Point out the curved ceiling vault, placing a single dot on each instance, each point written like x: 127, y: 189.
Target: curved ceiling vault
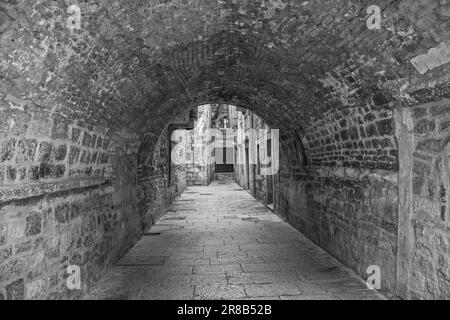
x: 135, y: 64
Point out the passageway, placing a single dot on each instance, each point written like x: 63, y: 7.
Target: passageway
x: 218, y: 242
x: 357, y: 91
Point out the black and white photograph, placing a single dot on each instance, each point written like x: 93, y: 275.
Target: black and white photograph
x: 219, y: 157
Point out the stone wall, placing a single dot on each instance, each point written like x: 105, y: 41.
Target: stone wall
x: 339, y: 187
x: 343, y: 189
x: 42, y: 236
x: 41, y: 152
x: 346, y: 199
x: 67, y: 191
x: 430, y: 276
x: 245, y: 122
x: 350, y: 213
x: 160, y: 180
x: 361, y: 137
x: 313, y: 69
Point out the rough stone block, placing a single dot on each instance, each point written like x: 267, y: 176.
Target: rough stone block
x: 99, y: 142
x: 3, y: 233
x: 22, y: 247
x: 40, y: 125
x: 2, y: 174
x: 12, y: 269
x: 60, y: 152
x: 93, y: 141
x: 45, y: 151
x: 371, y: 131
x: 353, y: 131
x: 421, y: 169
x: 25, y: 150
x: 36, y: 289
x: 86, y: 140
x: 33, y: 223
x: 381, y: 99
x: 386, y: 127
x: 15, y: 290
x: 106, y: 144
x: 75, y: 134
x: 419, y: 112
x: 7, y: 149
x: 5, y: 254
x: 44, y: 170
x: 60, y: 129
x: 424, y: 127
x: 62, y: 213
x: 11, y: 173
x: 440, y: 111
x: 444, y: 126
x: 429, y: 145
x: 74, y: 154
x: 22, y: 173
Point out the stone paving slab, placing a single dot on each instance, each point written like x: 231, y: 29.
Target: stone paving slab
x: 217, y: 269
x: 142, y: 261
x: 217, y: 242
x: 219, y: 292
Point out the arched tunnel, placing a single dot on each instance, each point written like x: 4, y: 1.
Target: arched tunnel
x: 359, y: 91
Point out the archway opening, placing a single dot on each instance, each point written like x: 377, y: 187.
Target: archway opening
x: 214, y: 142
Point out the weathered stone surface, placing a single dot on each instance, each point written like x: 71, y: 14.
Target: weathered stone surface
x: 7, y: 149
x: 440, y: 111
x: 73, y: 155
x: 431, y: 237
x: 60, y: 129
x: 12, y: 269
x: 34, y: 224
x: 424, y: 126
x: 5, y: 254
x: 45, y: 150
x: 60, y: 152
x: 84, y: 113
x: 62, y: 213
x: 273, y: 257
x: 36, y: 289
x: 25, y: 150
x: 419, y: 112
x: 418, y: 183
x: 430, y: 145
x: 3, y: 233
x: 15, y: 290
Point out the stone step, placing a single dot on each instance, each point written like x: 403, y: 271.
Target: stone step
x: 224, y: 176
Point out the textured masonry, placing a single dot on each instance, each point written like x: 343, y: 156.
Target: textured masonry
x: 85, y: 136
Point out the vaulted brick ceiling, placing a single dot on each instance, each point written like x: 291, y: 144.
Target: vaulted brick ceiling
x: 135, y: 64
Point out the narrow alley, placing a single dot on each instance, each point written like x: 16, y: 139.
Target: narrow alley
x: 224, y: 149
x: 218, y: 242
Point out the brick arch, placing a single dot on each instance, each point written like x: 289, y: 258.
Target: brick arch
x: 149, y: 138
x: 76, y: 104
x: 312, y: 56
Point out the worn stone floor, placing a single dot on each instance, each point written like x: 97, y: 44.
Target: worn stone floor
x: 218, y: 242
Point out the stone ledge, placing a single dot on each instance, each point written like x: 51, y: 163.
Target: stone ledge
x: 348, y: 173
x: 10, y: 193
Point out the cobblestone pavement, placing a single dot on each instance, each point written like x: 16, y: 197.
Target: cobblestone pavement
x: 218, y: 242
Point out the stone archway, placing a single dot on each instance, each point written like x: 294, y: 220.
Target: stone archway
x: 81, y: 106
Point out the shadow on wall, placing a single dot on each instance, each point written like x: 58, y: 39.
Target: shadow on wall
x: 160, y: 181
x: 87, y: 216
x: 340, y: 188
